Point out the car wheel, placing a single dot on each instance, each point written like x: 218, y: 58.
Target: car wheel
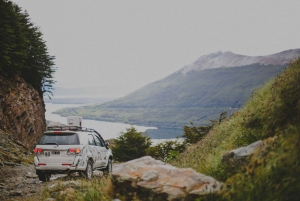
x: 88, y: 173
x: 44, y: 177
x: 108, y: 170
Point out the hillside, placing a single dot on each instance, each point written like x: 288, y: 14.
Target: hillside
x: 198, y: 92
x: 272, y: 114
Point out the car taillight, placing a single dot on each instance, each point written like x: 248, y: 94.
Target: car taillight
x: 74, y: 150
x: 38, y: 150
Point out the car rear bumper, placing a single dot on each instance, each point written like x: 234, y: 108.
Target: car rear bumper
x: 58, y: 167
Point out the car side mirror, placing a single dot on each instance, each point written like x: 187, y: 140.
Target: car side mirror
x: 106, y: 144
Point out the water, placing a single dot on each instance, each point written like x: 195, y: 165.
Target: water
x: 108, y: 130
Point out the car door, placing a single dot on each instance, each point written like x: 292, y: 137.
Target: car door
x: 103, y: 150
x: 95, y: 151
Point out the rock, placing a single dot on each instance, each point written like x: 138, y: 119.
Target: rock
x: 9, y: 163
x: 152, y: 179
x: 237, y: 157
x: 31, y: 175
x: 22, y: 111
x: 65, y: 184
x: 67, y: 192
x: 15, y: 193
x: 50, y: 199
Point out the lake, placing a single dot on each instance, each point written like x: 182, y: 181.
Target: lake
x: 110, y: 130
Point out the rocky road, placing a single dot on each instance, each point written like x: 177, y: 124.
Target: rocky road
x: 18, y: 181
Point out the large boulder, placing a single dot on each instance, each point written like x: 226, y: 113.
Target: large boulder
x: 150, y: 179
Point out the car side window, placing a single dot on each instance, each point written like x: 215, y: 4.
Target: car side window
x: 98, y: 141
x: 91, y: 140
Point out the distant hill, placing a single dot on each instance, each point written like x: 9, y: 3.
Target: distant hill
x: 200, y: 91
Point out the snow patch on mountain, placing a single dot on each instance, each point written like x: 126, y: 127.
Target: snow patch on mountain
x: 229, y: 59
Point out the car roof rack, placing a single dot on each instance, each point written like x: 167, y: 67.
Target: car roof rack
x: 68, y: 128
x: 73, y: 128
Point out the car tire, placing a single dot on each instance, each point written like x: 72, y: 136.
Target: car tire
x: 88, y: 173
x: 44, y: 177
x: 108, y: 170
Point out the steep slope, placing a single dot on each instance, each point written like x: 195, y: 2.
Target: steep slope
x: 22, y: 111
x: 198, y: 92
x: 272, y: 114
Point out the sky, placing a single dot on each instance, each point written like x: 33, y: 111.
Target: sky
x: 113, y: 48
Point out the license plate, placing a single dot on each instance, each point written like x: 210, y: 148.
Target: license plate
x: 55, y: 152
x: 47, y: 153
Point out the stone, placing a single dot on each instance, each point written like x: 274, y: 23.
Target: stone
x: 65, y: 184
x: 15, y: 193
x: 31, y: 175
x: 239, y: 157
x: 50, y: 199
x: 9, y: 163
x: 151, y: 179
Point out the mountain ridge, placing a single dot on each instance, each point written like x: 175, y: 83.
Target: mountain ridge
x: 228, y: 59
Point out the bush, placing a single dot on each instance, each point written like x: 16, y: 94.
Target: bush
x: 167, y: 151
x: 130, y: 145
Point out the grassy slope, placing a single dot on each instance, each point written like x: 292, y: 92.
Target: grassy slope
x: 178, y: 99
x: 273, y: 115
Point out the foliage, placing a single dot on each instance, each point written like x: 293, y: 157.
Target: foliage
x: 272, y: 114
x: 275, y: 176
x: 87, y: 190
x: 166, y: 151
x: 194, y: 134
x: 130, y: 145
x: 22, y: 50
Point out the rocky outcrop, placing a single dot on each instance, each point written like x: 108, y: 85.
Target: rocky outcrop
x: 22, y: 111
x: 150, y: 179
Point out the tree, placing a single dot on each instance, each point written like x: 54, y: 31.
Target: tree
x: 23, y: 52
x: 194, y: 134
x: 166, y: 151
x: 130, y: 145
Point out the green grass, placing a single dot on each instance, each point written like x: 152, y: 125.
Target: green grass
x: 87, y: 190
x: 272, y: 114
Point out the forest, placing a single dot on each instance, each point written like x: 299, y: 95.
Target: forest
x: 23, y: 52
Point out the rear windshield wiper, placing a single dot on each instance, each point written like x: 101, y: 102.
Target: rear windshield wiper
x: 52, y: 143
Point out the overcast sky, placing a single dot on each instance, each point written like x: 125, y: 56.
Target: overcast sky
x: 120, y: 46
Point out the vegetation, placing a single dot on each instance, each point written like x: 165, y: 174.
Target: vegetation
x: 23, y: 52
x: 272, y: 114
x: 178, y: 99
x: 130, y: 145
x: 194, y: 134
x: 78, y: 188
x: 167, y: 151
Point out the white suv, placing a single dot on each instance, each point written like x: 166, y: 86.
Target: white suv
x: 71, y: 149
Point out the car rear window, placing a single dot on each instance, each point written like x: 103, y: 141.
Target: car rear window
x: 60, y: 139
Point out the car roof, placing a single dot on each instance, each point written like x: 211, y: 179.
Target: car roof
x: 72, y: 129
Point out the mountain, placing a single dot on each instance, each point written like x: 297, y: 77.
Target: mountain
x: 198, y: 92
x: 229, y: 59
